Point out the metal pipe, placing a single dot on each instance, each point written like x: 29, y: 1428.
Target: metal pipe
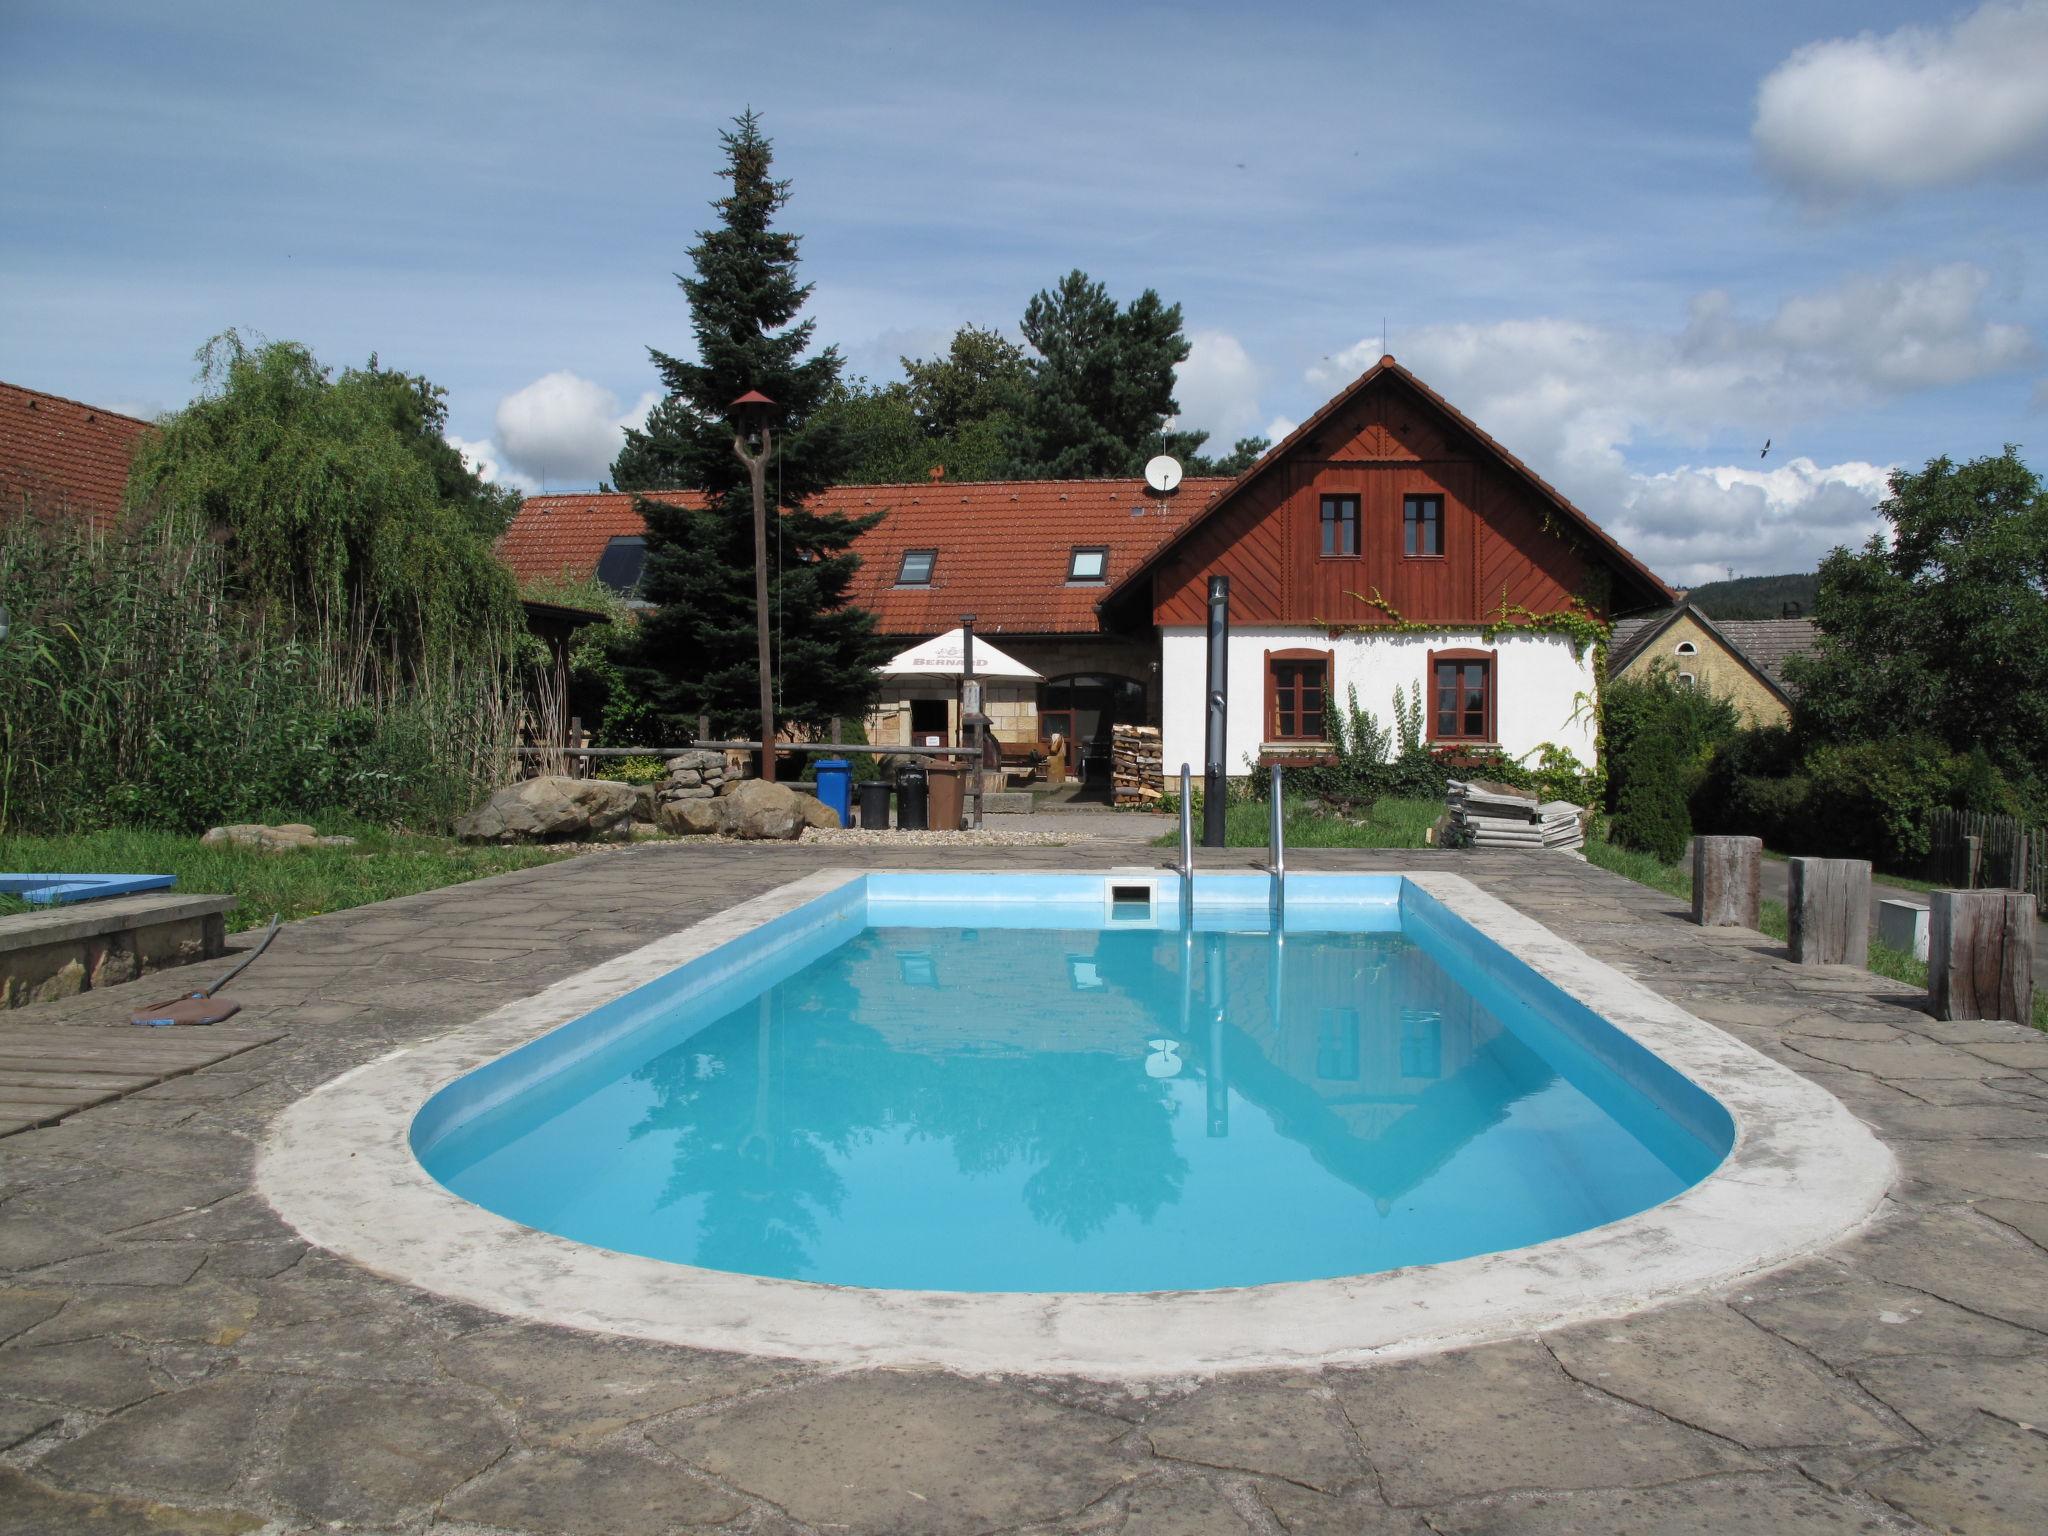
x: 1187, y: 845
x: 1214, y: 747
x: 1276, y: 835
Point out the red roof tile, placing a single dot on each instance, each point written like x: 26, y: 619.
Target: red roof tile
x: 1003, y: 547
x: 59, y: 455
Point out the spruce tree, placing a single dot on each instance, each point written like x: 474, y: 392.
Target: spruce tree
x: 695, y: 652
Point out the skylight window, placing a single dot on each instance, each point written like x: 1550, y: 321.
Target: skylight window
x: 916, y: 570
x: 623, y: 563
x: 1088, y: 564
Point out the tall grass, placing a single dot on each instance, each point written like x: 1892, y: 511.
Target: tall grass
x: 136, y: 687
x: 1391, y: 823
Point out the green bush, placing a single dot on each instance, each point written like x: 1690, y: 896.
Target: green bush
x: 1650, y: 816
x: 1643, y: 717
x: 1875, y: 800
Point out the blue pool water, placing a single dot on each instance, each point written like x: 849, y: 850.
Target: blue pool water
x: 974, y: 1084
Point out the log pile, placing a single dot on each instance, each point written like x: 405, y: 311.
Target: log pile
x: 1135, y: 765
x: 1500, y: 816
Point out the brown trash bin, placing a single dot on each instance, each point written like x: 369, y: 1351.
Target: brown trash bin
x: 948, y: 795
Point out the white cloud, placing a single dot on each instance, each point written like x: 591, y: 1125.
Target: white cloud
x: 1217, y: 388
x: 1915, y: 108
x: 481, y: 458
x: 1578, y: 402
x: 564, y: 430
x: 1279, y: 427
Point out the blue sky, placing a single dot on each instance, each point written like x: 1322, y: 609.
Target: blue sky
x: 1633, y: 242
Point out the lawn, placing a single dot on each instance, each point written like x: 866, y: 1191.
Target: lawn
x: 1390, y: 824
x: 298, y: 884
x: 1676, y: 879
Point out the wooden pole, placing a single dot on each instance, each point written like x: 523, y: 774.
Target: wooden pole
x: 1980, y: 955
x: 1727, y: 881
x: 757, y: 476
x: 1829, y: 906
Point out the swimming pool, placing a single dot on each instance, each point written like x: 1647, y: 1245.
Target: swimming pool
x: 957, y: 1083
x: 339, y: 1165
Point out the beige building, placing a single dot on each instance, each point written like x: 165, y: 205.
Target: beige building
x: 1741, y: 660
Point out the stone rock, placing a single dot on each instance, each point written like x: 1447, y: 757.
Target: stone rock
x: 694, y: 818
x: 253, y: 834
x: 685, y: 778
x: 762, y: 811
x: 818, y: 814
x: 643, y: 802
x: 549, y: 809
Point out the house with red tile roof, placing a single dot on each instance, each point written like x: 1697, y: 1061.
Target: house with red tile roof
x: 61, y: 457
x: 1387, y: 544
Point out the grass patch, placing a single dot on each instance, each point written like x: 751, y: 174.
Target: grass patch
x: 298, y: 884
x: 1390, y: 824
x: 1772, y: 919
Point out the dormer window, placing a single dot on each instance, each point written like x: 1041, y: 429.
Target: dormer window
x: 916, y: 570
x: 1687, y: 648
x: 622, y: 564
x: 1088, y: 563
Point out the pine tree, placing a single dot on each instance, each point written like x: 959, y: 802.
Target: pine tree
x: 1101, y: 383
x: 695, y: 652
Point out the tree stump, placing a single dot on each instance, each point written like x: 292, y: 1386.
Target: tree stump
x: 1829, y: 905
x: 1726, y: 881
x: 1980, y: 955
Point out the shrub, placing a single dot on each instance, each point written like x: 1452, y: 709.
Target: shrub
x: 1650, y: 816
x: 1875, y: 800
x: 1641, y: 717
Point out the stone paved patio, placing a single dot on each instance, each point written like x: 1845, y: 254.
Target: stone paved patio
x: 172, y: 1358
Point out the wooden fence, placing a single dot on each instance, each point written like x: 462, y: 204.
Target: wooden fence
x: 1971, y: 849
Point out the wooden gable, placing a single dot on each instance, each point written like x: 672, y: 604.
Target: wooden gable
x: 1506, y: 537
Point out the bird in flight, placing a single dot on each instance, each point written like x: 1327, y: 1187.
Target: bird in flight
x: 1767, y: 449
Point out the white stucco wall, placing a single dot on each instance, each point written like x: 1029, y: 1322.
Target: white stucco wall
x: 1544, y: 692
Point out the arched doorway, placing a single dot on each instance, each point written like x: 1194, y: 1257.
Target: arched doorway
x: 1085, y: 707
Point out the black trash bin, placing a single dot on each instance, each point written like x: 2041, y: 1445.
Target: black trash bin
x: 874, y: 804
x: 912, y: 792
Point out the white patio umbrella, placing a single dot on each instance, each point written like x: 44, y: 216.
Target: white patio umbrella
x: 941, y: 657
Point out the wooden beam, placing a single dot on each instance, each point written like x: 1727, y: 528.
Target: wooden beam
x: 1727, y: 881
x: 1829, y: 907
x: 1980, y: 955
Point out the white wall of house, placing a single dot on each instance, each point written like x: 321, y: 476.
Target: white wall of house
x: 1543, y: 692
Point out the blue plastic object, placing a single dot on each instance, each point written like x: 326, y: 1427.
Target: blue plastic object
x: 51, y: 890
x: 835, y: 787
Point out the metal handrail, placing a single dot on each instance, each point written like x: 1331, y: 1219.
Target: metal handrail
x: 1186, y: 867
x: 1276, y: 834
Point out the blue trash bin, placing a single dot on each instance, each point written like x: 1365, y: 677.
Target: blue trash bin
x: 835, y: 787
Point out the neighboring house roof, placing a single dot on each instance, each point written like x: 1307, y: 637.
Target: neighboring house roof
x: 63, y: 456
x: 1003, y: 548
x: 1628, y: 566
x: 1762, y: 645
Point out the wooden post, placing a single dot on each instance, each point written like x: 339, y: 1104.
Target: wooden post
x: 1829, y: 905
x: 1973, y: 861
x: 1727, y: 875
x: 835, y: 731
x: 703, y: 728
x: 1980, y: 955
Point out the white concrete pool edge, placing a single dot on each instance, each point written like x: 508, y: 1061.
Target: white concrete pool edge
x: 338, y: 1166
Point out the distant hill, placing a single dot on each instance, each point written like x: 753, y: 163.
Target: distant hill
x: 1757, y: 597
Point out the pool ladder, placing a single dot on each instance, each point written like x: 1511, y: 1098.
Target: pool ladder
x: 1276, y: 842
x: 1186, y: 867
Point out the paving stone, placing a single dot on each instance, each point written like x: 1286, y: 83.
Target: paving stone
x: 193, y: 1314
x: 31, y: 1238
x: 902, y: 1453
x: 91, y: 1373
x: 2013, y: 1053
x: 1910, y: 1058
x: 253, y: 1261
x: 193, y: 1442
x: 130, y: 1264
x: 19, y: 1420
x: 1825, y: 1025
x: 22, y: 1308
x: 1864, y: 1320
x: 370, y: 1452
x: 1179, y: 1507
x: 1960, y: 1257
x: 386, y: 1345
x: 1759, y: 1391
x: 1505, y: 1416
x: 591, y: 1493
x: 568, y: 1386
x: 1752, y: 1506
x: 1301, y: 1512
x: 1955, y: 1170
x: 1994, y: 1092
x: 31, y: 1508
x: 126, y: 1199
x: 1963, y: 1122
x: 1281, y: 1431
x: 1939, y: 1396
x: 2029, y: 1218
x: 1993, y: 1482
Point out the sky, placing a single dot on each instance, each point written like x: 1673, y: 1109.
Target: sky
x: 1634, y: 243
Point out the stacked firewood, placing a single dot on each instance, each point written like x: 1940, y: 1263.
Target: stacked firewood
x: 1501, y: 816
x: 1135, y: 765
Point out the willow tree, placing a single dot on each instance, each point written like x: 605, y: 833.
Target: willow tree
x: 696, y: 650
x: 340, y: 514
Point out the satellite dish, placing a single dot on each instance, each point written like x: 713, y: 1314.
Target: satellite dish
x: 1163, y: 473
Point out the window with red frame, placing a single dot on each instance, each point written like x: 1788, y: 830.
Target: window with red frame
x: 1462, y: 704
x: 1296, y: 688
